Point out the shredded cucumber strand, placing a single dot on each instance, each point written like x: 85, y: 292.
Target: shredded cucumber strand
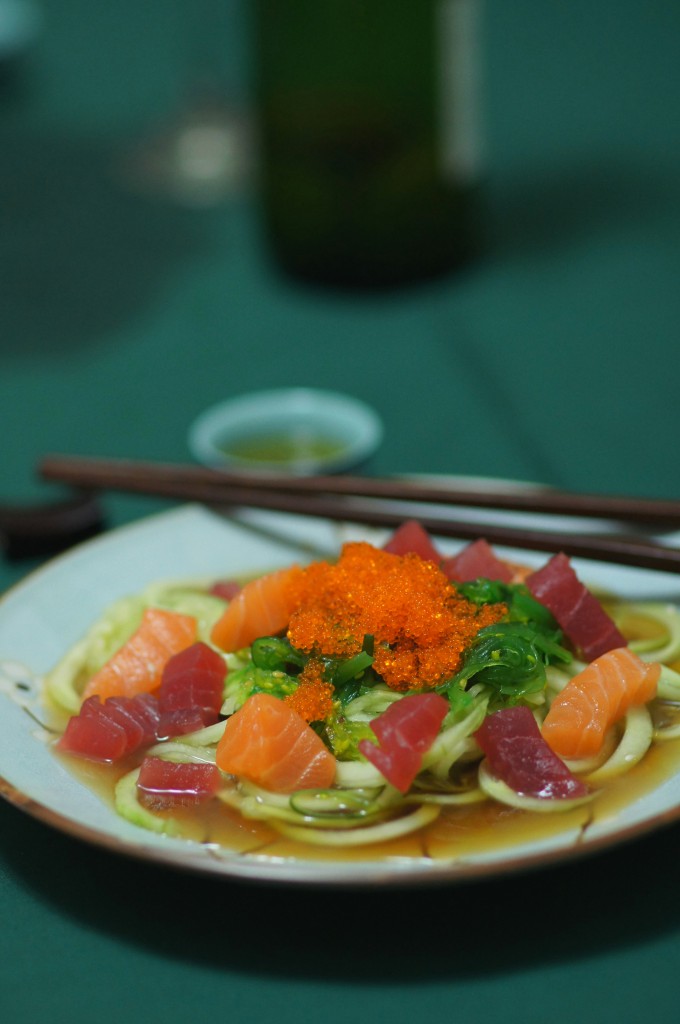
x: 636, y: 740
x: 261, y: 805
x: 173, y: 750
x: 371, y: 704
x: 586, y: 765
x: 207, y: 737
x: 668, y: 687
x: 665, y: 647
x: 469, y: 796
x: 365, y: 834
x: 666, y: 718
x: 454, y: 742
x: 355, y: 774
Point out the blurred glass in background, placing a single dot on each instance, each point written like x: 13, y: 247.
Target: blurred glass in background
x: 20, y: 22
x: 201, y: 153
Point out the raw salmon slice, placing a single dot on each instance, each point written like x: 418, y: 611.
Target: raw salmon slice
x: 595, y: 699
x: 270, y: 744
x: 138, y: 665
x: 261, y: 608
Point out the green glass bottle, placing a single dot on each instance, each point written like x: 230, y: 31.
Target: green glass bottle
x: 369, y: 137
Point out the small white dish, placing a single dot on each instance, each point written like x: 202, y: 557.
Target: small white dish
x: 299, y: 431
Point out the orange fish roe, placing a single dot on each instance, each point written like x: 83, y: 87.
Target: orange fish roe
x: 419, y: 623
x: 313, y: 698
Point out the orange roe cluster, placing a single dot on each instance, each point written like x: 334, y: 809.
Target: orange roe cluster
x: 420, y: 624
x: 313, y: 698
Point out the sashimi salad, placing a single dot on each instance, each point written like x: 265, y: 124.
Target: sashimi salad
x: 348, y: 702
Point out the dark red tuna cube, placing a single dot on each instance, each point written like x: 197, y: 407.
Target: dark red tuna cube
x: 193, y: 678
x: 165, y: 784
x: 519, y: 756
x: 412, y: 538
x: 94, y: 735
x: 180, y: 721
x: 578, y: 612
x: 476, y: 561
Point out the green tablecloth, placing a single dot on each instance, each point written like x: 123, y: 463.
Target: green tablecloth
x: 553, y: 359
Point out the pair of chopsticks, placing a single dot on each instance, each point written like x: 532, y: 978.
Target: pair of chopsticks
x: 388, y: 502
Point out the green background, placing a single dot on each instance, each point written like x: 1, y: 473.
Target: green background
x: 554, y: 358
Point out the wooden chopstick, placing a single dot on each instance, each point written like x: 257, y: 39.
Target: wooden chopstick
x: 377, y: 503
x: 171, y: 479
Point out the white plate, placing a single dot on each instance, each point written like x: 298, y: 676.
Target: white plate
x: 42, y: 616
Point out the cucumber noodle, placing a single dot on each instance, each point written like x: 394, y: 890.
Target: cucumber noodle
x: 361, y: 807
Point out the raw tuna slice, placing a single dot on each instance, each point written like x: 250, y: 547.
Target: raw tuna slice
x: 405, y: 731
x: 163, y: 784
x: 192, y: 681
x: 412, y: 538
x: 120, y: 713
x: 519, y: 756
x: 226, y: 589
x: 144, y: 707
x: 476, y: 561
x: 180, y: 721
x: 578, y: 612
x: 109, y: 730
x: 141, y: 712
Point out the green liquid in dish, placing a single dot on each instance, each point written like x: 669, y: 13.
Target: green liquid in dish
x: 283, y: 448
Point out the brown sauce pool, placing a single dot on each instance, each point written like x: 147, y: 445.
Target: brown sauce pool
x: 463, y: 832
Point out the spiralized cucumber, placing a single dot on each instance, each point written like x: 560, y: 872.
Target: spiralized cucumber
x: 370, y: 705
x: 335, y: 803
x: 207, y: 737
x: 636, y: 740
x: 586, y: 765
x: 665, y: 647
x: 314, y: 809
x: 349, y: 774
x: 666, y: 719
x: 475, y: 795
x: 364, y: 835
x: 668, y: 687
x: 183, y: 753
x: 454, y: 743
